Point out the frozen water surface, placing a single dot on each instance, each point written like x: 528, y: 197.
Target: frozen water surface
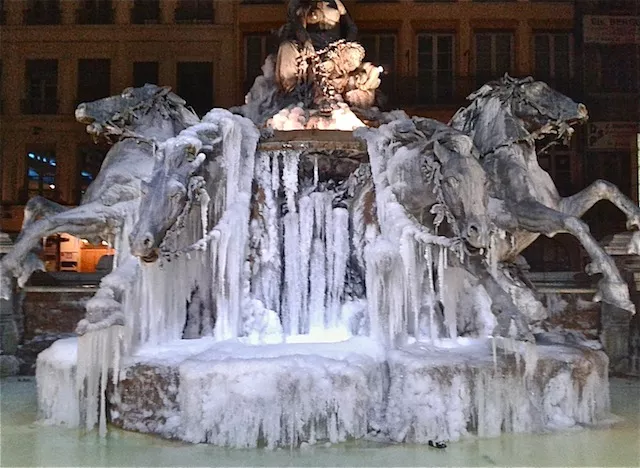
x: 24, y: 442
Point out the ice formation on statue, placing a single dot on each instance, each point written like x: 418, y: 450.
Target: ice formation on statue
x: 273, y: 290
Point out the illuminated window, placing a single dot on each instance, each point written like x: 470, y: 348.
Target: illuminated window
x: 90, y: 160
x: 41, y: 173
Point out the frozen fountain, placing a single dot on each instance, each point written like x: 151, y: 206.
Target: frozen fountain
x: 302, y: 271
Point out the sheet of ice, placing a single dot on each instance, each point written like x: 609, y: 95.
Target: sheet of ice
x: 56, y: 379
x: 441, y: 393
x: 278, y: 395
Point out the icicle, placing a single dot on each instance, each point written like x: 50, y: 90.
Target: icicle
x: 204, y: 211
x: 316, y: 176
x: 306, y: 238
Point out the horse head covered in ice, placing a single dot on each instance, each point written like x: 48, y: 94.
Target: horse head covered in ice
x: 506, y: 119
x: 137, y: 121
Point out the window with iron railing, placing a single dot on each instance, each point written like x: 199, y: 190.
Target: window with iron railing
x: 195, y: 85
x: 95, y: 12
x: 256, y: 49
x: 42, y: 12
x: 435, y: 68
x: 94, y: 79
x: 145, y: 12
x: 380, y: 49
x: 553, y: 60
x: 41, y: 79
x: 194, y: 11
x: 494, y: 55
x: 145, y: 72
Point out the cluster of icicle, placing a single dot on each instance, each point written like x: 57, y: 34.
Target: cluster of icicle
x: 154, y: 297
x: 405, y: 261
x: 312, y: 260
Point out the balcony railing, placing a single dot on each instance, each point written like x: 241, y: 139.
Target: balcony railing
x: 95, y: 16
x: 38, y: 106
x: 42, y: 16
x: 415, y: 91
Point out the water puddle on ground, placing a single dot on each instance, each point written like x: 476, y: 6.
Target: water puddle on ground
x: 24, y: 442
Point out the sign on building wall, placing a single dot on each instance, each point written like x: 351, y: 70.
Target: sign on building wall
x: 612, y: 135
x: 611, y: 29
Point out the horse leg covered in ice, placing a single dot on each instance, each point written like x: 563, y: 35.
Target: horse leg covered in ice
x: 535, y: 217
x: 90, y: 220
x: 578, y: 204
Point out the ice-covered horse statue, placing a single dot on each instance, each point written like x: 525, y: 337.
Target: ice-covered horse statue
x: 505, y: 119
x: 428, y: 181
x: 137, y: 120
x: 195, y: 211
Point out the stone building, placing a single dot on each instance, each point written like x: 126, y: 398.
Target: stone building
x: 57, y: 53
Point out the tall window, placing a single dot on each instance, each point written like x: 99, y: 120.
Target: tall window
x: 42, y: 12
x: 90, y: 160
x: 380, y: 50
x: 494, y: 55
x: 41, y: 87
x: 95, y: 12
x: 256, y: 49
x: 435, y: 68
x: 194, y: 11
x: 612, y: 69
x: 145, y: 12
x: 553, y: 59
x: 145, y: 72
x: 195, y: 85
x: 2, y: 13
x: 41, y: 173
x: 94, y: 79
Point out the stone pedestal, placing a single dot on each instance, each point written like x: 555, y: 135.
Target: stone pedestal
x: 9, y: 331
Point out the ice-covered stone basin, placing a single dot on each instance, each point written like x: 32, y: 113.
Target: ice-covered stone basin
x: 240, y: 395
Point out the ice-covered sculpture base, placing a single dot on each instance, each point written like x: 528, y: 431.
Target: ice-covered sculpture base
x: 239, y: 395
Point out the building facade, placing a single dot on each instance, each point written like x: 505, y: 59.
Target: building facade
x: 57, y: 53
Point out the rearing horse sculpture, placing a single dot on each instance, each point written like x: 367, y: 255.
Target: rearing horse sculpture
x: 137, y: 120
x: 505, y: 119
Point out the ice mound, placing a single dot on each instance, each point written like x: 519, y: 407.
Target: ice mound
x: 447, y: 393
x: 238, y: 395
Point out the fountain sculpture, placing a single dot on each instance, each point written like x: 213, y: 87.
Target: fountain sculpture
x: 286, y: 273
